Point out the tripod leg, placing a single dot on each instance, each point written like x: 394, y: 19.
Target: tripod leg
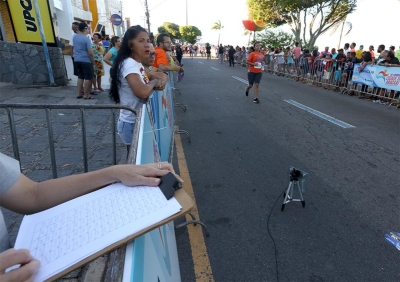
x: 286, y: 198
x: 301, y: 196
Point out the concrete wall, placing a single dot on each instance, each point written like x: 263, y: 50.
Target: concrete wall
x: 26, y: 64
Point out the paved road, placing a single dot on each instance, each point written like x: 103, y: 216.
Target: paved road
x: 239, y: 160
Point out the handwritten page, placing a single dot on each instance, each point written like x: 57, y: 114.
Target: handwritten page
x: 68, y: 233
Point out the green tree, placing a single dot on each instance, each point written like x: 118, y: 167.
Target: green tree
x: 307, y: 19
x: 275, y: 38
x: 189, y: 33
x: 218, y: 26
x: 172, y: 30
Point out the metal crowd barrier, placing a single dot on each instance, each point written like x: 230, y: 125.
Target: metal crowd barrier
x: 49, y: 122
x: 328, y: 74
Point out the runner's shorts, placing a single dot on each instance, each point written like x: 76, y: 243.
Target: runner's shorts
x: 254, y: 77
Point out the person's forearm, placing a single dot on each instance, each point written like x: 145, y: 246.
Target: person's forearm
x: 56, y: 191
x: 27, y: 196
x: 92, y: 59
x: 169, y: 68
x: 108, y: 62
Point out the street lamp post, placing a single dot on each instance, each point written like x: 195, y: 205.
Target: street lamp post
x: 147, y: 16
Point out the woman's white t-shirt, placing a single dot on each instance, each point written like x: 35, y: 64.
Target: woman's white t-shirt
x: 126, y: 95
x: 280, y: 58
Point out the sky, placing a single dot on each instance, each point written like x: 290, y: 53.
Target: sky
x: 367, y: 23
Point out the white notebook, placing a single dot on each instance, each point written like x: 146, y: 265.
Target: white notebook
x: 68, y: 233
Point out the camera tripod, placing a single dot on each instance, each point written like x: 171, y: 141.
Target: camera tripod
x: 288, y: 195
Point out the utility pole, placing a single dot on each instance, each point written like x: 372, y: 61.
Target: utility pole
x: 44, y: 44
x: 123, y: 24
x: 147, y: 16
x: 186, y: 13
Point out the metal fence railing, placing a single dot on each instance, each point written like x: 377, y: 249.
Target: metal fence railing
x: 48, y: 108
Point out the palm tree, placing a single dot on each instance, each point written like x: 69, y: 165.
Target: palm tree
x: 349, y: 27
x: 217, y: 26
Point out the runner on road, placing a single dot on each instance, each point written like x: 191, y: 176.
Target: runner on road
x: 254, y: 60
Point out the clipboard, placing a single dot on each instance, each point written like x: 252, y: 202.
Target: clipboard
x: 180, y: 195
x: 76, y: 232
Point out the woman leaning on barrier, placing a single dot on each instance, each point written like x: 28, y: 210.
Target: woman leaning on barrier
x: 130, y: 85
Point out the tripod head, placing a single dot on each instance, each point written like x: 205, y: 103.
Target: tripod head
x: 294, y: 174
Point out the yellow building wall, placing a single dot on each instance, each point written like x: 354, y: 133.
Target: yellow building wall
x: 6, y: 22
x: 95, y: 14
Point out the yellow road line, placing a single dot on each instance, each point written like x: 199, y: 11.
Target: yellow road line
x: 201, y: 262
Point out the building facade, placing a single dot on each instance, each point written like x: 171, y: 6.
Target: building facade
x: 96, y: 13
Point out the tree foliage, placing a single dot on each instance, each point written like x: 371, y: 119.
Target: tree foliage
x: 189, y: 33
x: 274, y: 38
x: 307, y: 19
x: 172, y: 30
x: 218, y: 26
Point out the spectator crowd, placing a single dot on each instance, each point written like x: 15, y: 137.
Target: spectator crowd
x: 330, y: 68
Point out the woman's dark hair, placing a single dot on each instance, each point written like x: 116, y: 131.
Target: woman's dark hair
x: 315, y: 53
x: 96, y: 34
x: 254, y: 45
x: 114, y: 40
x: 124, y: 52
x: 367, y: 57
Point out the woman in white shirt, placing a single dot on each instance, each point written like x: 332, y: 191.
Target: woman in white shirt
x: 130, y: 85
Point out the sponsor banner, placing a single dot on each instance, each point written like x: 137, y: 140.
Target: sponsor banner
x: 377, y: 76
x: 162, y: 107
x: 25, y: 23
x: 154, y: 255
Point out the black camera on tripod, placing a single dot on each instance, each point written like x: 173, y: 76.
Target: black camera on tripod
x: 294, y: 174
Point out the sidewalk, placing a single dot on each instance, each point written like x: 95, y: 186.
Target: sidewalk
x: 105, y: 81
x: 34, y: 145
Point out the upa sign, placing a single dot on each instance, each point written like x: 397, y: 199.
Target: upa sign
x: 25, y: 24
x: 116, y: 19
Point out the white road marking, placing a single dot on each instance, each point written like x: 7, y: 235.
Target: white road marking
x: 214, y: 68
x: 321, y: 115
x: 241, y: 79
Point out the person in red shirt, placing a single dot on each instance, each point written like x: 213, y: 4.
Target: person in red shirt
x: 254, y: 60
x: 163, y: 45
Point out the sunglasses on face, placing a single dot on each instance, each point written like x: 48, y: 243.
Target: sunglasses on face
x: 153, y: 54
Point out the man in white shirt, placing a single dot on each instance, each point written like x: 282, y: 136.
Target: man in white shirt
x: 74, y: 28
x: 346, y: 49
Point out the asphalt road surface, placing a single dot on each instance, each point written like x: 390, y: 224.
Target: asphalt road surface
x: 239, y: 163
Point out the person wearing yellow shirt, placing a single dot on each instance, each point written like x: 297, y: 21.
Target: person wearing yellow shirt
x: 359, y: 52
